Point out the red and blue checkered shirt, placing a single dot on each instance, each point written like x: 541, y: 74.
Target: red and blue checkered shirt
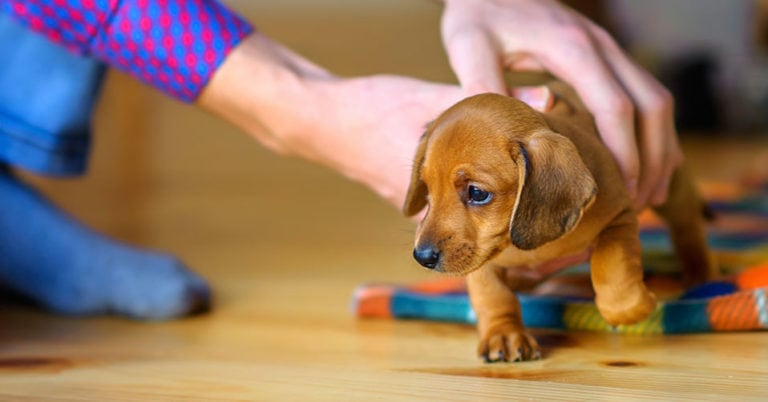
x: 174, y: 45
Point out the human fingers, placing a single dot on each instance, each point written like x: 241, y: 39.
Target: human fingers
x: 473, y: 56
x: 659, y: 150
x: 537, y: 97
x: 575, y: 58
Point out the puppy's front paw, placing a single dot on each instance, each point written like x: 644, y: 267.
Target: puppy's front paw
x: 627, y: 308
x: 508, y: 343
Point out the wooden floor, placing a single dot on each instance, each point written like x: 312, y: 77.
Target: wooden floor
x: 285, y: 243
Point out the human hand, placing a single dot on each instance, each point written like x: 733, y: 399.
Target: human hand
x: 371, y: 126
x: 633, y: 112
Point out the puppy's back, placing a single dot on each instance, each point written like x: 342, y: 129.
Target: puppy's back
x: 569, y: 117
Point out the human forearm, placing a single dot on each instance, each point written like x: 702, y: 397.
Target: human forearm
x: 266, y: 90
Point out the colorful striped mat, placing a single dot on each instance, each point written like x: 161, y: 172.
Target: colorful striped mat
x: 734, y: 302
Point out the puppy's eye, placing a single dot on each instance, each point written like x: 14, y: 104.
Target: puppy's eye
x: 478, y: 196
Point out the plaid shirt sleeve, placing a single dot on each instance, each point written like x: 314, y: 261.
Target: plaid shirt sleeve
x: 174, y: 45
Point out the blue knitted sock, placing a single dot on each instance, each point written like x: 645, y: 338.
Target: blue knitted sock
x: 54, y: 260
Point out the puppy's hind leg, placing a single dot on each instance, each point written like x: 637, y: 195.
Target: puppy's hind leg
x: 685, y: 213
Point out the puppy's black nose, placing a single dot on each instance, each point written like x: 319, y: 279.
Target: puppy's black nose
x: 427, y: 256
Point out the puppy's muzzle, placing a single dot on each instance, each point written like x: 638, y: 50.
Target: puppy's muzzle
x: 427, y: 255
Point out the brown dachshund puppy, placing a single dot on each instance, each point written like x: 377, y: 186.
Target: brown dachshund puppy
x: 510, y: 189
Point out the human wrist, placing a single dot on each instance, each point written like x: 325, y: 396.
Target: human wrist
x: 266, y: 90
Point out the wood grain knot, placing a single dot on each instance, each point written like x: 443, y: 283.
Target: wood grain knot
x: 622, y: 363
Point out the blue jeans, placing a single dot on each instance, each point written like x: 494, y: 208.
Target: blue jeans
x: 47, y: 94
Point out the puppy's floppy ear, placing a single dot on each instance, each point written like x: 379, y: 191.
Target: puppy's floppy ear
x: 416, y: 199
x: 555, y: 188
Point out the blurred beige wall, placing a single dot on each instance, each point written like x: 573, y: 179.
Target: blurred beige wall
x: 357, y: 37
x: 328, y: 5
